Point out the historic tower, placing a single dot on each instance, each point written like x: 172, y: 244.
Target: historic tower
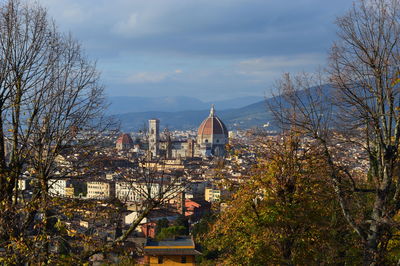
x: 154, y: 136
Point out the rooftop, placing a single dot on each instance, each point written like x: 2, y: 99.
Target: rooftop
x: 125, y: 139
x: 182, y: 241
x: 183, y: 245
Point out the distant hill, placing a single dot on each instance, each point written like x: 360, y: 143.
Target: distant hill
x: 252, y: 115
x: 236, y: 118
x: 131, y: 104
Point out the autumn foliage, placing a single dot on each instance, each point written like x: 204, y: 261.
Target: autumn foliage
x: 284, y: 212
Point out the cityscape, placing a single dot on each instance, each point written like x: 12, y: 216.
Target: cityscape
x: 173, y: 132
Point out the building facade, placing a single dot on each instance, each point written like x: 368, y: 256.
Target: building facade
x: 100, y: 189
x: 178, y: 251
x: 154, y: 137
x: 211, y: 140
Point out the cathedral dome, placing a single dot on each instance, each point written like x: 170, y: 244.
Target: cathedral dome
x: 124, y: 141
x: 212, y: 130
x: 212, y: 125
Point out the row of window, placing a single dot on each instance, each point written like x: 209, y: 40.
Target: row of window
x: 97, y: 187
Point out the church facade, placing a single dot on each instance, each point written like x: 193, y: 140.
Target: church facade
x: 212, y: 136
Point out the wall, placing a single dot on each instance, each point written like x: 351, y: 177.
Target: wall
x: 172, y: 260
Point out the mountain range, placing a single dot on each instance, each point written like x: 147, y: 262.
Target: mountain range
x: 183, y: 113
x: 242, y: 117
x: 132, y: 104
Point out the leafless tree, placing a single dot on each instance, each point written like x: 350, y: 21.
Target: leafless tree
x: 147, y: 187
x: 49, y: 93
x: 360, y: 110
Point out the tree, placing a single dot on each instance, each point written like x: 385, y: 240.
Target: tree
x: 51, y: 104
x: 184, y: 222
x: 49, y: 93
x: 162, y: 223
x: 359, y: 112
x: 171, y: 232
x: 149, y: 189
x: 282, y: 213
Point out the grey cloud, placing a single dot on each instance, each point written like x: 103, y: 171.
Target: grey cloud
x: 139, y: 44
x: 201, y: 27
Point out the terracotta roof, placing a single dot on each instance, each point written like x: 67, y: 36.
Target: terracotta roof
x: 171, y: 251
x: 212, y: 125
x: 125, y: 139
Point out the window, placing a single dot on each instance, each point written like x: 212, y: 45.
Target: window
x: 183, y: 259
x: 160, y: 259
x: 217, y: 140
x: 206, y: 141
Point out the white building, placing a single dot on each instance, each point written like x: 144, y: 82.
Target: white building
x: 100, y: 190
x: 212, y: 195
x: 135, y: 192
x: 57, y: 187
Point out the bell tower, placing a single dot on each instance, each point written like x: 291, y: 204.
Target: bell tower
x: 154, y: 136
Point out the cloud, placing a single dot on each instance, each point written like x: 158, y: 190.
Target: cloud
x: 146, y: 77
x: 128, y: 26
x: 152, y: 77
x: 68, y: 12
x: 209, y: 27
x: 74, y: 14
x: 199, y: 48
x: 266, y: 66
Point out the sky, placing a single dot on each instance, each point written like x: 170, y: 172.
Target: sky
x: 207, y: 49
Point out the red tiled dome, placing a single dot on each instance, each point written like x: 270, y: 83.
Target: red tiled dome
x: 125, y: 139
x: 212, y: 125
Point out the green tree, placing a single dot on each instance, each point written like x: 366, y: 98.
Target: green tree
x: 360, y: 111
x: 183, y: 221
x: 162, y: 223
x: 171, y: 232
x: 284, y: 212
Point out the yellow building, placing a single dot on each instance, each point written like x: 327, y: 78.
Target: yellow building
x: 69, y: 191
x: 161, y: 165
x: 178, y: 251
x: 211, y: 194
